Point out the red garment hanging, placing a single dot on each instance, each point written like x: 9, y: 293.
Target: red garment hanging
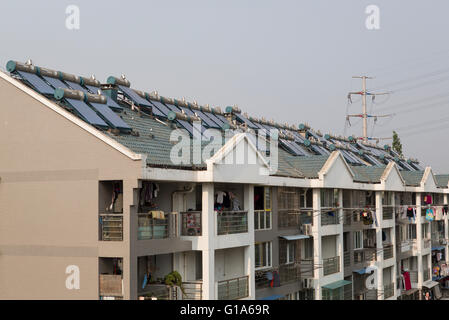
x: 407, y: 283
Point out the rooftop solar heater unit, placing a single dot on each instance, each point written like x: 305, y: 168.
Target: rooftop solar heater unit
x: 86, y: 112
x: 92, y: 89
x: 292, y: 147
x: 36, y: 82
x: 110, y: 116
x: 128, y: 92
x: 56, y: 83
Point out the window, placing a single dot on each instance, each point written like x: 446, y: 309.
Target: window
x: 262, y: 208
x: 329, y: 198
x: 386, y: 198
x: 425, y: 230
x: 308, y: 249
x: 262, y: 255
x: 358, y: 239
x: 411, y: 231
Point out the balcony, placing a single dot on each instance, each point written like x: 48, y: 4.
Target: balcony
x: 291, y: 218
x: 111, y: 285
x: 365, y: 255
x: 387, y: 212
x: 331, y: 265
x: 191, y: 223
x: 233, y: 289
x: 193, y: 290
x: 159, y: 292
x: 160, y: 227
x: 388, y: 251
x: 330, y: 217
x: 232, y: 222
x: 287, y: 273
x: 111, y: 227
x: 388, y: 290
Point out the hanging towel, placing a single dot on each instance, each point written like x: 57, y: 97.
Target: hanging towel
x: 429, y: 214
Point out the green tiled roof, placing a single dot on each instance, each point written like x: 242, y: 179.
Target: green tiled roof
x: 307, y: 166
x: 153, y: 140
x: 412, y: 178
x: 442, y: 180
x: 368, y: 174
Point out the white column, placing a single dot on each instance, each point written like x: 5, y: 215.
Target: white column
x: 379, y: 245
x: 340, y: 251
x: 207, y: 237
x: 316, y: 231
x: 419, y: 239
x: 393, y: 242
x: 249, y: 250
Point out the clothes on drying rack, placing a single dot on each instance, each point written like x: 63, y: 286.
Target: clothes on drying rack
x: 428, y: 199
x: 430, y: 216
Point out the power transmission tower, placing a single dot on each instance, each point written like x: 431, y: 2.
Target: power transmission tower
x: 364, y: 115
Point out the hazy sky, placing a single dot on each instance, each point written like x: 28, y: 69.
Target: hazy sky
x: 285, y: 60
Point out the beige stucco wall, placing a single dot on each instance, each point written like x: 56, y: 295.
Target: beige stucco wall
x: 49, y: 170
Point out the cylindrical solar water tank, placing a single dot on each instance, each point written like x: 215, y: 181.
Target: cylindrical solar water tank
x: 166, y: 100
x: 69, y: 77
x: 332, y: 147
x: 232, y: 109
x: 119, y: 81
x: 301, y: 126
x: 47, y: 72
x: 307, y: 142
x: 12, y: 66
x: 95, y: 98
x: 68, y: 93
x: 90, y: 82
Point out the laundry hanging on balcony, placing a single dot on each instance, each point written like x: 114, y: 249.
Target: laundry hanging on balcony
x: 407, y: 284
x: 430, y: 216
x: 428, y: 199
x: 367, y: 217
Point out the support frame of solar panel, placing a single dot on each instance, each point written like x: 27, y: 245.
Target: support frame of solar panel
x: 38, y: 83
x: 110, y: 116
x: 87, y: 113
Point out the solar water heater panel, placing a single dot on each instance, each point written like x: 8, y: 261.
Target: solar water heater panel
x: 56, y: 83
x: 77, y: 86
x: 86, y: 112
x: 173, y: 107
x: 187, y: 111
x: 110, y: 116
x: 37, y: 83
x: 206, y: 119
x: 300, y: 147
x: 216, y: 119
x: 93, y: 89
x: 131, y: 94
x: 186, y: 125
x: 161, y: 107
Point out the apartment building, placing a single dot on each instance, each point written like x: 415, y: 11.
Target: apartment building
x: 99, y: 199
